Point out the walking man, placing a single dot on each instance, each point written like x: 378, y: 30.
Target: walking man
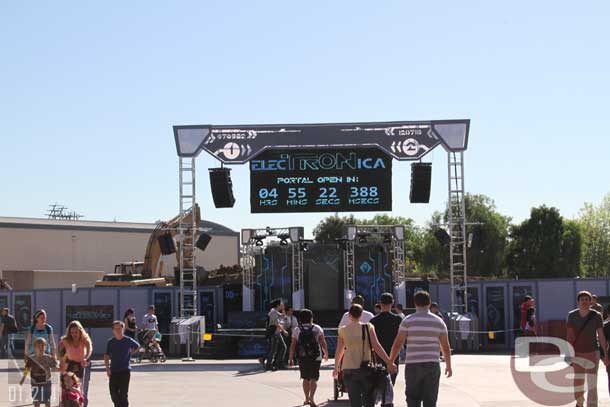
x: 386, y: 326
x: 117, y: 360
x: 366, y: 315
x: 595, y: 305
x: 8, y: 326
x: 424, y: 333
x: 584, y: 326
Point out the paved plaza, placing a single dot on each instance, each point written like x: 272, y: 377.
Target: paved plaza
x: 479, y: 381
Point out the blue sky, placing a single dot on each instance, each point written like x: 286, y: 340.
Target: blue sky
x: 89, y: 92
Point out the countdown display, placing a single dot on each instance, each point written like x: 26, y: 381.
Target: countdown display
x: 322, y: 180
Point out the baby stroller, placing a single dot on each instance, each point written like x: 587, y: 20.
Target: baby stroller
x: 339, y: 386
x: 150, y: 348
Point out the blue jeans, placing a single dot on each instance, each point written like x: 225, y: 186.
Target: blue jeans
x: 359, y: 388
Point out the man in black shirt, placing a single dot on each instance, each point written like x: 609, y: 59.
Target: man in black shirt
x: 386, y: 327
x: 8, y: 325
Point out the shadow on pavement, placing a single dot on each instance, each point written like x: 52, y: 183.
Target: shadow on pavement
x: 190, y: 367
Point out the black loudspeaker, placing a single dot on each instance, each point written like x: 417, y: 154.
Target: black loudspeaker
x: 167, y: 244
x: 222, y: 187
x: 442, y: 236
x: 421, y: 176
x: 203, y: 241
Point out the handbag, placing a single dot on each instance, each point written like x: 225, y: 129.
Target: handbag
x: 375, y: 371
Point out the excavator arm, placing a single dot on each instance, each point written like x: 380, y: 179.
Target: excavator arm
x: 153, y: 268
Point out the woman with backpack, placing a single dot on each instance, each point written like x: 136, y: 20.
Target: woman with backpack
x: 307, y: 339
x: 40, y: 329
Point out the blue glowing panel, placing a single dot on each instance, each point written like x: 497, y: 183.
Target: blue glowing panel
x: 273, y: 276
x: 373, y: 273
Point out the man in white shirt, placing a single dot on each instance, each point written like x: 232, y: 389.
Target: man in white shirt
x: 149, y: 322
x: 366, y: 316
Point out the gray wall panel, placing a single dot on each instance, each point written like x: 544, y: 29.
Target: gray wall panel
x: 99, y: 336
x: 555, y: 299
x: 599, y: 287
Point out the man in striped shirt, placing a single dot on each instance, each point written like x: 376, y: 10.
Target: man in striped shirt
x: 424, y: 333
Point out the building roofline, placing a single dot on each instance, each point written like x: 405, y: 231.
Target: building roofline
x: 212, y: 228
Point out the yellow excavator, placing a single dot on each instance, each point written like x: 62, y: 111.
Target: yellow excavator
x: 150, y: 271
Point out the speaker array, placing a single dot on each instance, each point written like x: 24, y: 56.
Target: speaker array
x: 167, y: 244
x: 421, y: 177
x: 203, y: 241
x: 222, y: 187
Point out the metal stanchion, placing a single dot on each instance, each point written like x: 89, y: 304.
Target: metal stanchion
x: 188, y: 357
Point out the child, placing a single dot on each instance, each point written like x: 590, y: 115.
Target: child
x: 71, y: 394
x: 39, y: 366
x: 155, y: 346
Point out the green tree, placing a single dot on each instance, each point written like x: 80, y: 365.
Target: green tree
x: 332, y: 228
x: 434, y: 257
x: 594, y: 223
x: 570, y: 262
x: 487, y: 251
x: 544, y: 246
x: 485, y: 256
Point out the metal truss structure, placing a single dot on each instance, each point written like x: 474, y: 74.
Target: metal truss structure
x: 393, y: 236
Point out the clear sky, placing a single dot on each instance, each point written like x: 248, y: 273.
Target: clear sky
x: 89, y: 92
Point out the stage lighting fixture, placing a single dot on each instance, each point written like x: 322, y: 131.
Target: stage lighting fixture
x: 246, y: 235
x: 258, y: 242
x: 269, y: 231
x: 362, y: 237
x: 283, y: 238
x: 296, y: 233
x: 387, y: 238
x: 351, y: 233
x: 399, y: 232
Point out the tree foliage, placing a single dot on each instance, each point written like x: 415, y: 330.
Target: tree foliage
x: 332, y: 228
x: 544, y: 246
x: 594, y: 222
x: 485, y: 256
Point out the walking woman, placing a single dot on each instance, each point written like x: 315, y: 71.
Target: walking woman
x: 76, y: 348
x: 40, y: 329
x: 131, y: 328
x: 354, y: 348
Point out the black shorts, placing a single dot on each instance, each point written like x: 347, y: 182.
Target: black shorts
x: 41, y: 393
x: 310, y: 369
